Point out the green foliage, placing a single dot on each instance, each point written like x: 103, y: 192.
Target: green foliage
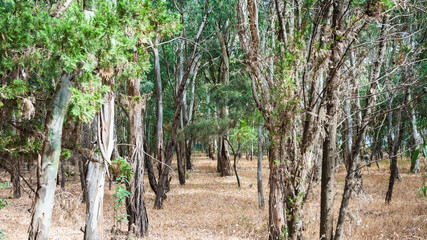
x: 65, y: 154
x: 243, y: 135
x: 122, y: 169
x: 16, y: 88
x: 422, y: 191
x: 85, y: 101
x: 121, y: 192
x: 415, y: 155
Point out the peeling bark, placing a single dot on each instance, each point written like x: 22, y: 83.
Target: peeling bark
x: 44, y: 197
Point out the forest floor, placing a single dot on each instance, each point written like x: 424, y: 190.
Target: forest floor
x: 214, y: 207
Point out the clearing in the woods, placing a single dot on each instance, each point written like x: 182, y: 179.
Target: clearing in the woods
x: 214, y: 207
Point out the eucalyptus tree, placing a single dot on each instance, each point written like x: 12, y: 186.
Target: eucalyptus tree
x: 188, y: 69
x: 80, y: 50
x: 287, y: 88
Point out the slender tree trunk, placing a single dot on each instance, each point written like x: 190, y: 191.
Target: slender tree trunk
x: 259, y: 169
x: 151, y: 175
x: 159, y: 127
x: 180, y: 158
x: 188, y: 149
x: 83, y: 174
x: 44, y: 197
x: 394, y: 171
x: 62, y: 176
x: 415, y: 160
x: 328, y: 164
x: 362, y: 127
x: 329, y: 145
x: 16, y: 179
x: 136, y: 210
x: 95, y: 198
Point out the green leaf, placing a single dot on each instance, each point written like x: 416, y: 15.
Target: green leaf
x: 415, y: 156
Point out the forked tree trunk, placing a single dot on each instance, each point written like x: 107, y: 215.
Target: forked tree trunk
x: 353, y: 170
x: 136, y: 210
x: 329, y: 145
x: 44, y: 197
x: 328, y: 164
x: 95, y: 179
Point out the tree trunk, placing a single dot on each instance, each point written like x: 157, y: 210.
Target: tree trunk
x: 96, y: 169
x: 415, y: 160
x: 328, y: 164
x: 95, y: 199
x: 16, y: 179
x: 44, y: 197
x: 135, y: 207
x: 259, y: 169
x: 62, y: 176
x: 394, y: 171
x: 83, y: 174
x: 180, y: 158
x: 159, y: 126
x: 224, y: 158
x: 352, y: 170
x: 276, y: 205
x: 188, y: 149
x: 151, y: 175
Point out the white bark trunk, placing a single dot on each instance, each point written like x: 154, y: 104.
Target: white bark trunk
x: 44, y: 198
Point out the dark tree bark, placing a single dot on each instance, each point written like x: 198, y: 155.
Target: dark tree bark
x: 394, y: 171
x: 180, y: 158
x: 16, y: 179
x: 83, y: 172
x: 63, y: 176
x: 224, y: 157
x: 150, y: 170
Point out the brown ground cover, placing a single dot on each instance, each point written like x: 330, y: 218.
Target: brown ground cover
x: 213, y: 207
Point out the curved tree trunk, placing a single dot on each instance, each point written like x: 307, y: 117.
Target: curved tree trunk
x: 44, y: 197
